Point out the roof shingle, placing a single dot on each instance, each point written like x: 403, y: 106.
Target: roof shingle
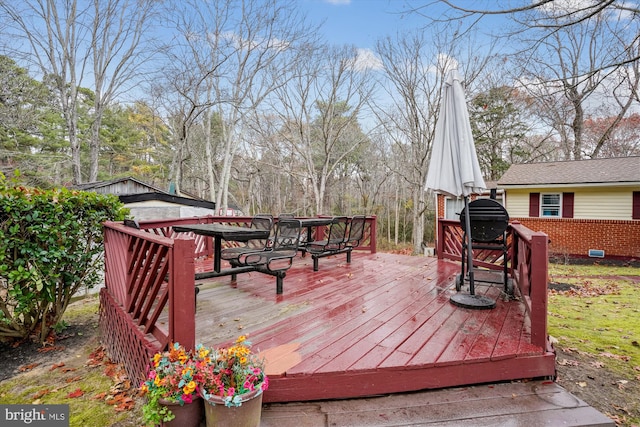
x: 595, y: 171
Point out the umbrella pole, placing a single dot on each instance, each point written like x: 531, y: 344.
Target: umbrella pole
x: 469, y: 248
x: 471, y: 300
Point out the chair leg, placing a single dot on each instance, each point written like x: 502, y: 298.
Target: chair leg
x: 348, y: 257
x: 279, y: 282
x: 315, y: 263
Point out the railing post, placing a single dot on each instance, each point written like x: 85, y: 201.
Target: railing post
x: 440, y: 239
x: 538, y: 291
x: 513, y: 250
x: 182, y: 293
x: 374, y: 233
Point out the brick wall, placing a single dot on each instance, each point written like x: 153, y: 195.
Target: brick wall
x: 619, y: 239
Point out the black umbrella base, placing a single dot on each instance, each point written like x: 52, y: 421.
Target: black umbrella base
x: 474, y: 302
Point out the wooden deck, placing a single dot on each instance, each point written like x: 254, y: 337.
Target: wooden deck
x: 382, y: 324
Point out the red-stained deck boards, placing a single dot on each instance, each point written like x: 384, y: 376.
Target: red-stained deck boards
x: 381, y: 324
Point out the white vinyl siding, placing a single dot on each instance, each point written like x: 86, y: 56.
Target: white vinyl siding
x: 517, y: 203
x: 610, y: 204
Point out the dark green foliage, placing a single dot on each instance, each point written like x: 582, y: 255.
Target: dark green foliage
x: 51, y: 245
x: 499, y: 130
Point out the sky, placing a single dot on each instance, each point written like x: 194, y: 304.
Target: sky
x: 360, y: 22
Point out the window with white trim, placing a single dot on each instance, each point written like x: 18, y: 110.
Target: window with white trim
x: 551, y: 205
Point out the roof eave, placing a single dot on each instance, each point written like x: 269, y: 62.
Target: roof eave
x: 572, y: 184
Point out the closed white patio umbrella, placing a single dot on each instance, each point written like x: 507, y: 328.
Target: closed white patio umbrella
x: 454, y: 169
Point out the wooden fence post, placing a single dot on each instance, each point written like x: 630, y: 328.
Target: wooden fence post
x: 440, y: 239
x: 182, y: 293
x: 374, y: 233
x: 538, y: 291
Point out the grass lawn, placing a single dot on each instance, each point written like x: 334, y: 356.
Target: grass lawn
x: 595, y: 317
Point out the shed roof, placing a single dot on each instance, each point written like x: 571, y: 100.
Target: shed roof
x: 617, y: 170
x: 91, y: 186
x: 165, y: 197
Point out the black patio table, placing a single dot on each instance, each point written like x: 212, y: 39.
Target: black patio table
x: 221, y: 232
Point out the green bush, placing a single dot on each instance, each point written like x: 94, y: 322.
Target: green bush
x: 51, y: 245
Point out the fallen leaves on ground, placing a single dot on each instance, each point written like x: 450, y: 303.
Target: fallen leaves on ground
x: 76, y: 393
x: 96, y: 357
x: 40, y: 394
x: 48, y: 349
x: 566, y: 362
x: 615, y: 356
x: 588, y: 289
x: 73, y: 379
x: 119, y: 395
x: 121, y: 402
x: 25, y: 368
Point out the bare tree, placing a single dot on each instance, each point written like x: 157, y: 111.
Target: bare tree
x: 319, y: 104
x: 414, y: 92
x: 64, y: 39
x: 118, y: 52
x: 546, y: 17
x: 569, y: 81
x: 578, y: 60
x: 414, y: 67
x: 224, y: 58
x: 53, y: 45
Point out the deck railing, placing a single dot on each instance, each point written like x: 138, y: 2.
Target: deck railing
x: 146, y: 276
x: 204, y: 244
x: 527, y: 258
x: 149, y: 273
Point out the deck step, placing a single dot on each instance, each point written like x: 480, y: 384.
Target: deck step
x: 534, y: 403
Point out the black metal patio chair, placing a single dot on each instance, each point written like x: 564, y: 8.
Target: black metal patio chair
x: 278, y: 258
x: 235, y: 254
x: 335, y: 242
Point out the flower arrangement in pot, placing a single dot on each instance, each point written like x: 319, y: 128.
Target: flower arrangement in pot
x: 171, y: 382
x: 230, y: 373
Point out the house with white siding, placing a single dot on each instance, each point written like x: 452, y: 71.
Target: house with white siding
x: 587, y: 207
